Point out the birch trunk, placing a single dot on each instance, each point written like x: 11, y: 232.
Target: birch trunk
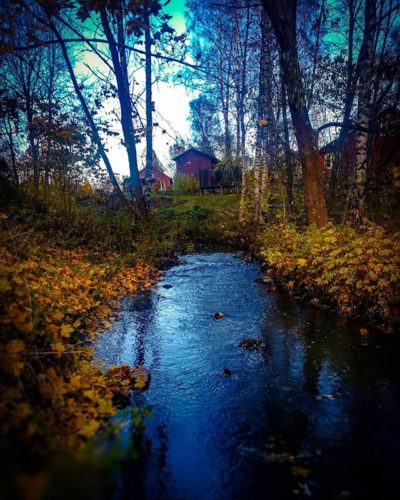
x: 260, y: 157
x: 89, y: 118
x: 357, y: 202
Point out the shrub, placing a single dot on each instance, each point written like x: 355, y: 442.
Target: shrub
x: 357, y: 271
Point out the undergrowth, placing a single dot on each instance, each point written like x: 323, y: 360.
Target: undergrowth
x: 355, y: 272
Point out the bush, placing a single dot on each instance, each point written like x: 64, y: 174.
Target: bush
x: 356, y: 271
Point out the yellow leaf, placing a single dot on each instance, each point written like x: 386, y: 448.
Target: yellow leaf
x: 262, y: 122
x: 58, y: 315
x: 4, y: 286
x: 76, y: 381
x: 89, y: 429
x: 57, y: 346
x: 15, y: 347
x: 66, y: 330
x: 140, y: 383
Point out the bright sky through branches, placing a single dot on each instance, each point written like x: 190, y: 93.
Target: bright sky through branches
x: 171, y: 104
x: 171, y: 107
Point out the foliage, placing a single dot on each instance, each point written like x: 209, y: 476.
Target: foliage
x: 73, y: 218
x: 186, y: 184
x: 54, y: 301
x: 357, y: 272
x: 205, y: 124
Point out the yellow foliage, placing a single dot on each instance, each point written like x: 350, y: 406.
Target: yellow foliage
x: 357, y: 271
x: 51, y: 301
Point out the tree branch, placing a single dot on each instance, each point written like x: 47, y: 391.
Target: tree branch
x: 100, y: 40
x: 351, y: 125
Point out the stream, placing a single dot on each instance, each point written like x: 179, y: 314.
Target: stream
x: 314, y: 412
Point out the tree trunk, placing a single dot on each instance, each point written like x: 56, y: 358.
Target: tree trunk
x: 89, y: 118
x: 366, y: 60
x: 12, y: 153
x: 288, y: 156
x: 121, y: 75
x: 149, y: 111
x: 283, y: 19
x: 261, y: 148
x: 32, y: 143
x: 149, y: 105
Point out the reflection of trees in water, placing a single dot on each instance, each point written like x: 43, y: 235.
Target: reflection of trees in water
x: 144, y: 307
x: 352, y: 427
x: 307, y: 352
x: 149, y: 471
x: 162, y: 473
x: 145, y: 474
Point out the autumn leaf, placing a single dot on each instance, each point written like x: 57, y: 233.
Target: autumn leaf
x: 140, y: 383
x: 58, y: 347
x: 66, y: 330
x: 15, y: 347
x: 299, y: 471
x: 58, y: 315
x: 89, y: 429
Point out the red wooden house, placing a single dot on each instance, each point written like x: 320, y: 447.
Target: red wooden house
x: 161, y: 180
x: 195, y: 163
x: 385, y: 147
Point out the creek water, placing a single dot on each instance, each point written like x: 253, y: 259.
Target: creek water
x: 313, y: 413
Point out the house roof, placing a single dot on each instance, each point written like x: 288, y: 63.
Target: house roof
x: 157, y: 172
x: 331, y: 147
x: 194, y: 150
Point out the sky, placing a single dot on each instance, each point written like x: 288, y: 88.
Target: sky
x: 172, y: 110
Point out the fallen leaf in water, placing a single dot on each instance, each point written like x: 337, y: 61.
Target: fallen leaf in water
x: 271, y: 457
x: 306, y: 489
x: 140, y: 383
x: 299, y: 471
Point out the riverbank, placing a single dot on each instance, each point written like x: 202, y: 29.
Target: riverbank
x: 62, y: 278
x: 354, y: 273
x: 54, y: 302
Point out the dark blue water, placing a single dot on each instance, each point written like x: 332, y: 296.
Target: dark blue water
x: 314, y: 413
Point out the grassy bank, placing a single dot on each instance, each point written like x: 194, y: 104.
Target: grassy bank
x: 54, y: 301
x: 189, y: 220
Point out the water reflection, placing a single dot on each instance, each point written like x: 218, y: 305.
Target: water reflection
x: 315, y: 412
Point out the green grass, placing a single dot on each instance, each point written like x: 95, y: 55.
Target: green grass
x: 194, y: 219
